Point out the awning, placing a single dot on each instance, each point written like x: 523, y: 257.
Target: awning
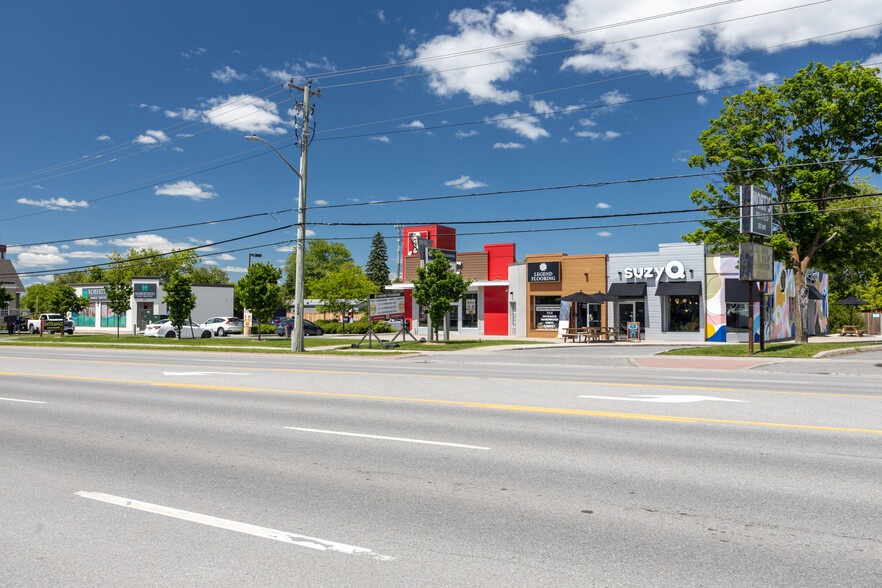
x: 736, y: 291
x: 814, y: 294
x: 678, y: 289
x: 627, y: 289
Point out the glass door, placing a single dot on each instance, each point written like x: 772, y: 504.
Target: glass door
x: 470, y: 310
x: 631, y: 311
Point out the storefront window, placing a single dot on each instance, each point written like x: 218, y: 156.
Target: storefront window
x: 683, y: 314
x: 737, y: 319
x: 546, y: 312
x: 470, y: 310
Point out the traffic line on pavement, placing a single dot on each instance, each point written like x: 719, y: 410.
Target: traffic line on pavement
x: 537, y: 409
x: 204, y: 374
x: 21, y: 400
x: 382, y: 437
x: 248, y: 529
x: 642, y: 386
x: 670, y: 399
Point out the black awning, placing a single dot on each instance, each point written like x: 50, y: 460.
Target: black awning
x: 628, y: 290
x: 736, y: 291
x: 814, y: 294
x: 678, y: 289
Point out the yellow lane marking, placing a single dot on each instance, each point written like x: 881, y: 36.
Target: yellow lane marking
x: 452, y: 377
x: 538, y: 409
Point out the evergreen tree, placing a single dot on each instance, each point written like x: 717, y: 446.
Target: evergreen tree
x: 377, y: 268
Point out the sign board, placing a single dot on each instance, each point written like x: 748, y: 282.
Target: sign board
x: 633, y: 331
x: 144, y: 290
x: 247, y: 319
x: 417, y: 242
x: 53, y: 325
x: 543, y: 271
x: 450, y: 254
x: 547, y: 316
x: 756, y: 262
x: 96, y: 294
x: 386, y: 306
x: 756, y: 211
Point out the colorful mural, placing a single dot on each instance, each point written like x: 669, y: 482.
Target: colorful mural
x: 779, y: 297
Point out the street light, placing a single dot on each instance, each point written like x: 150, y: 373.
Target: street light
x: 297, y: 334
x: 250, y: 255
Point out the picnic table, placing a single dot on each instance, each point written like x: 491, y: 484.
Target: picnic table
x: 576, y: 334
x: 851, y: 330
x: 605, y: 333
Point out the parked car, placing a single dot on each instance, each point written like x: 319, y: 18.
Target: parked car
x: 164, y: 328
x: 69, y: 327
x: 223, y: 325
x: 309, y: 328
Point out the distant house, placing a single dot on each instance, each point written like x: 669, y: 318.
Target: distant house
x: 11, y: 282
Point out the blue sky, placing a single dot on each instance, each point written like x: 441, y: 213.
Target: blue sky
x: 125, y: 117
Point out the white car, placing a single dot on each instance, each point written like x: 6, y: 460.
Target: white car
x: 224, y: 325
x: 164, y: 328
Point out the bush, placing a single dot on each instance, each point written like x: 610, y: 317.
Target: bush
x: 356, y: 328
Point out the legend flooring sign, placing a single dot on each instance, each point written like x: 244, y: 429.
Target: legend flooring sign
x: 543, y: 271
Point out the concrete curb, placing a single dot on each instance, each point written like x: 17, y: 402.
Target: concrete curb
x: 849, y: 350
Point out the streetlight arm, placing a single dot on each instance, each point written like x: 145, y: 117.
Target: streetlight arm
x: 256, y: 138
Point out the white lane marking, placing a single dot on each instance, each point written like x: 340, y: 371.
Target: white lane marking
x: 203, y: 373
x: 20, y: 400
x: 389, y: 438
x: 670, y: 399
x: 264, y: 532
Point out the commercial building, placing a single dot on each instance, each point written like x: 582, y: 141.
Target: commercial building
x: 146, y: 304
x: 483, y: 310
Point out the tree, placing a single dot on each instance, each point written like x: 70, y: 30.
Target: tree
x: 63, y: 299
x: 209, y: 275
x: 437, y: 287
x: 179, y: 299
x: 119, y: 299
x: 259, y: 291
x: 377, y: 268
x: 145, y: 262
x: 322, y: 258
x: 5, y: 297
x: 36, y: 298
x: 342, y: 289
x: 804, y: 141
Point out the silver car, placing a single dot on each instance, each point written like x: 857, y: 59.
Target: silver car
x: 224, y: 325
x: 164, y: 328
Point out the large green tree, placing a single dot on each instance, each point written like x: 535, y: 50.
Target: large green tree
x: 259, y: 291
x: 436, y: 287
x: 377, y: 267
x: 204, y: 274
x: 804, y: 141
x: 5, y: 296
x: 341, y: 290
x: 144, y: 262
x: 322, y: 258
x: 179, y: 299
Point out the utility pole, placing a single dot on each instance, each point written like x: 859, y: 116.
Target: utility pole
x: 297, y: 335
x: 398, y: 251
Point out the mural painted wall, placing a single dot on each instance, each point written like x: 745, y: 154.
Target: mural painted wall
x: 780, y: 295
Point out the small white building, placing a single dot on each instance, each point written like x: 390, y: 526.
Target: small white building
x: 147, y: 305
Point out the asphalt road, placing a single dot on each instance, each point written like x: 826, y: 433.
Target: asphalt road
x: 574, y: 466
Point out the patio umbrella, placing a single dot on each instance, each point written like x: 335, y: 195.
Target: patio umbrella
x: 603, y: 297
x: 851, y: 301
x: 579, y: 297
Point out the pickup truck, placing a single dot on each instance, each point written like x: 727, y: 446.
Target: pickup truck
x: 36, y: 324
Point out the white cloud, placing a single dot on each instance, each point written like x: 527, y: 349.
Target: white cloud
x: 39, y: 260
x: 464, y: 183
x: 150, y: 107
x: 55, y: 203
x: 149, y: 241
x: 193, y: 52
x: 244, y: 113
x: 381, y: 16
x: 235, y: 270
x: 728, y: 72
x: 37, y: 187
x: 874, y: 60
x: 226, y: 257
x: 508, y: 146
x: 701, y: 99
x: 227, y: 74
x: 209, y: 262
x: 604, y: 234
x: 525, y: 126
x: 413, y: 125
x: 604, y: 136
x: 178, y: 149
x: 87, y: 242
x: 477, y: 30
x: 151, y: 137
x: 102, y: 138
x: 321, y: 202
x: 381, y: 139
x: 601, y: 205
x: 184, y: 114
x: 682, y: 156
x: 85, y: 254
x: 188, y: 189
x: 465, y: 134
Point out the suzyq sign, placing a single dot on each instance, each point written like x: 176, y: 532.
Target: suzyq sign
x: 674, y: 270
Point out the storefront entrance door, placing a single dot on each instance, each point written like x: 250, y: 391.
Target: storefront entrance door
x: 631, y: 311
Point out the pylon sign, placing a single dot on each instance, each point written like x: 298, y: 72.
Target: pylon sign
x: 756, y: 211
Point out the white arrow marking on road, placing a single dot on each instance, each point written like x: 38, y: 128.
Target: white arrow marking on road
x: 203, y: 373
x: 384, y: 438
x: 284, y: 536
x: 673, y: 399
